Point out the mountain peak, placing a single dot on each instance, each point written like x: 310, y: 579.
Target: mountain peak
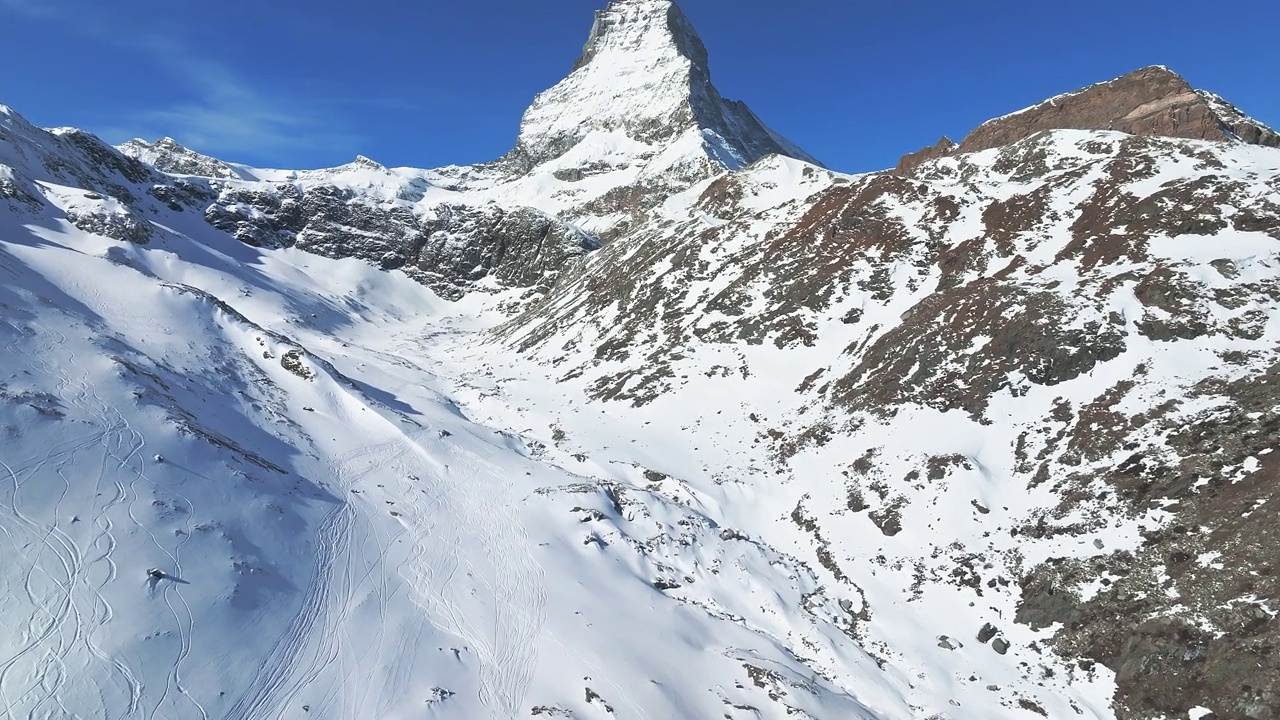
x: 648, y: 26
x: 1152, y: 100
x: 643, y: 74
x: 170, y: 156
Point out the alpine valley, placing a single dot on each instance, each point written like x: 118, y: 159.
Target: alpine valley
x: 654, y: 417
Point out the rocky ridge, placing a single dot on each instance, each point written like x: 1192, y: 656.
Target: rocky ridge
x: 1095, y: 304
x: 168, y: 156
x: 1150, y: 101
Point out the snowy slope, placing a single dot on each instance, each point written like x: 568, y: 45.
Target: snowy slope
x: 368, y: 508
x: 996, y: 396
x: 340, y: 540
x: 654, y: 417
x: 269, y: 428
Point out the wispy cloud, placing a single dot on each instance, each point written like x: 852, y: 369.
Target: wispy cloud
x: 31, y: 8
x: 227, y: 114
x: 222, y: 111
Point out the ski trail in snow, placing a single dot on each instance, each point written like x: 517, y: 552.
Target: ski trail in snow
x: 471, y: 505
x: 116, y: 434
x: 316, y: 638
x: 50, y: 570
x: 75, y: 609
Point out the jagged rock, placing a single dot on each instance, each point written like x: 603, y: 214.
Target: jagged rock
x: 167, y: 155
x: 21, y: 192
x: 117, y: 223
x: 450, y: 247
x: 939, y: 149
x: 266, y: 217
x: 338, y: 222
x: 181, y: 195
x: 1152, y: 101
x: 102, y: 156
x: 521, y: 248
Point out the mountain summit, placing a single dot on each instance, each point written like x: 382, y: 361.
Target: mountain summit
x: 644, y: 77
x: 1149, y: 101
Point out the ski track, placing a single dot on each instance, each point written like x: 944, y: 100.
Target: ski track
x: 319, y: 638
x: 497, y: 608
x: 474, y: 507
x: 73, y: 608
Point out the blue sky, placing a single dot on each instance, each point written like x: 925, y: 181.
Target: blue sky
x: 293, y: 84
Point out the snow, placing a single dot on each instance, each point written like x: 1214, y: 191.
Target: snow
x: 365, y: 504
x: 327, y: 552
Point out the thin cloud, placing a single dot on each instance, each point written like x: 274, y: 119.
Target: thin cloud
x: 32, y: 8
x: 224, y: 113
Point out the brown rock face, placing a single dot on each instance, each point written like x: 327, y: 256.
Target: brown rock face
x: 943, y: 147
x: 1151, y: 101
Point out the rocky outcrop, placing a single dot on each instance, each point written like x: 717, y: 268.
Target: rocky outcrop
x: 451, y: 247
x: 119, y: 224
x: 517, y: 248
x: 262, y: 217
x: 167, y: 155
x: 1153, y: 101
x: 939, y: 149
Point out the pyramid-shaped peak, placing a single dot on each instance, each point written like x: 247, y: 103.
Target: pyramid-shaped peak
x: 643, y: 74
x: 643, y: 28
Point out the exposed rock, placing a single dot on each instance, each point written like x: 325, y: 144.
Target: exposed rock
x: 1150, y: 101
x: 292, y: 361
x: 263, y: 217
x: 167, y: 155
x: 519, y: 248
x: 180, y: 195
x: 21, y: 192
x: 450, y: 247
x: 113, y: 222
x: 101, y: 156
x: 939, y: 149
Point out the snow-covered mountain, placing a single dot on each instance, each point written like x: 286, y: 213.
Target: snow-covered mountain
x: 653, y: 417
x: 643, y: 79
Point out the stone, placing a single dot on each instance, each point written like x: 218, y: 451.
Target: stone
x: 1152, y: 101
